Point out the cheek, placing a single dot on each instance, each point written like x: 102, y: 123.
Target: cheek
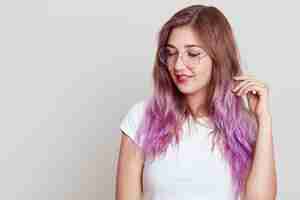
x: 204, y: 72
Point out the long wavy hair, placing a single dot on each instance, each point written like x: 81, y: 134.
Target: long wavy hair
x: 234, y: 125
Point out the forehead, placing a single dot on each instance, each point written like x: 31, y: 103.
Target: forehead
x: 181, y: 37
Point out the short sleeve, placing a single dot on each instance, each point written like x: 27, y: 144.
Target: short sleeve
x: 131, y: 120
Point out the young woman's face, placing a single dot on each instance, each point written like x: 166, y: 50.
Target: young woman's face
x: 189, y: 65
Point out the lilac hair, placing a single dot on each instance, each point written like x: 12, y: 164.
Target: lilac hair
x: 235, y: 127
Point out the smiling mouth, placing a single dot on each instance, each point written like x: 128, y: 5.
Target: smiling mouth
x: 182, y: 78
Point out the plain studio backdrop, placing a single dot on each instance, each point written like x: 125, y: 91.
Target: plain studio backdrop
x: 70, y: 70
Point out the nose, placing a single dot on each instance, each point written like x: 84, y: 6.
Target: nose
x: 179, y: 64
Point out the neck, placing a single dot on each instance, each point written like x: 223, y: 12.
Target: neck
x: 197, y: 103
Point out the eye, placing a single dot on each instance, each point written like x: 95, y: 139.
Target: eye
x: 170, y: 52
x: 193, y: 54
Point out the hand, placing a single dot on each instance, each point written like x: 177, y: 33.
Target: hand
x: 257, y: 94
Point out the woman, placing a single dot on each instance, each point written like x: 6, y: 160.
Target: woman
x: 167, y: 149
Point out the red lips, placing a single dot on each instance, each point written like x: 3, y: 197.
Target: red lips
x: 182, y: 78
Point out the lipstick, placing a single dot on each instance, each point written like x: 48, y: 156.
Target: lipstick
x: 182, y: 78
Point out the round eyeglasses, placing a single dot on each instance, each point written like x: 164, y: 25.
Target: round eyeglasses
x: 190, y: 57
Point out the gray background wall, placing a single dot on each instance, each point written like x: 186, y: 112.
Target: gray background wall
x: 70, y: 70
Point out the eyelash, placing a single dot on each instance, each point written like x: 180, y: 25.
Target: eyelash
x: 190, y: 54
x: 194, y: 55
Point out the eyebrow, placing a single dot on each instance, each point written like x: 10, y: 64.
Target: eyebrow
x: 188, y: 45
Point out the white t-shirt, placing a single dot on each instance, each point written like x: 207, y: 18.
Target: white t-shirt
x: 191, y: 171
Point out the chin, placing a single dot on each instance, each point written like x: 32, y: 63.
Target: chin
x: 190, y: 90
x: 186, y: 90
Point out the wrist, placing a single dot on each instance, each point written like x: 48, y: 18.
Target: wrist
x: 264, y: 117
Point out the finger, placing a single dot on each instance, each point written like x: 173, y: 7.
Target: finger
x: 241, y: 84
x: 243, y: 77
x: 252, y: 87
x: 249, y: 90
x: 244, y: 87
x: 249, y: 77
